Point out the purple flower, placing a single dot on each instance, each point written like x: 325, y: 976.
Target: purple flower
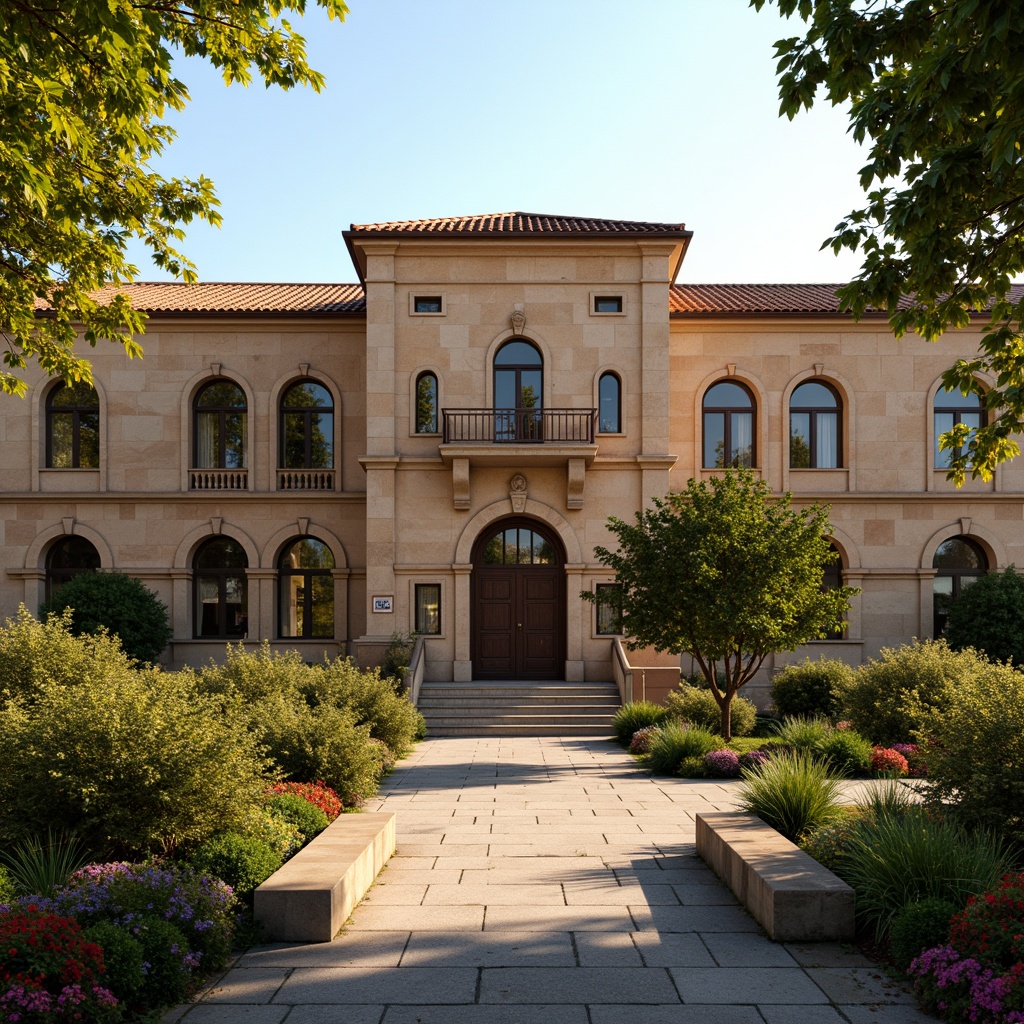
x: 722, y: 764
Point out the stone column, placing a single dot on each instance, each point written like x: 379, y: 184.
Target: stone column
x: 462, y: 669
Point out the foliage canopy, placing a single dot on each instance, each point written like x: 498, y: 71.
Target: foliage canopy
x: 728, y: 573
x: 84, y: 90
x: 989, y: 616
x: 935, y: 90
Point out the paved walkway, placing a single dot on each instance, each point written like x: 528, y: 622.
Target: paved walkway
x: 545, y: 881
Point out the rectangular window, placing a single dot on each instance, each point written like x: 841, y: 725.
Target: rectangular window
x: 609, y: 609
x: 607, y: 303
x: 428, y: 304
x: 428, y: 608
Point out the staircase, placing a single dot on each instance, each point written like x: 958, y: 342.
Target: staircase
x: 517, y: 708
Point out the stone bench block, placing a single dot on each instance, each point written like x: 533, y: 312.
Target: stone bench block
x: 311, y: 896
x: 791, y: 895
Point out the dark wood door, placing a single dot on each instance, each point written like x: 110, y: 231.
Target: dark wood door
x: 518, y: 622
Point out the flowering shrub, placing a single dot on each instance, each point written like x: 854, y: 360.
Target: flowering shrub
x: 722, y: 764
x: 979, y: 976
x: 917, y: 769
x: 316, y: 793
x: 888, y: 761
x: 754, y: 758
x: 282, y: 836
x: 49, y: 972
x: 641, y: 741
x: 202, y: 908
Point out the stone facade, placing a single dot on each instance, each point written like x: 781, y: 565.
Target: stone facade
x: 408, y: 501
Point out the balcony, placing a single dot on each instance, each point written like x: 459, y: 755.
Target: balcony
x: 218, y: 479
x: 305, y: 479
x: 519, y: 426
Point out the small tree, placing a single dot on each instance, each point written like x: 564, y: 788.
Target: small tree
x: 118, y: 603
x: 727, y: 573
x: 989, y: 616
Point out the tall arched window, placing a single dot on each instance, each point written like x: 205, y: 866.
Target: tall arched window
x: 72, y: 427
x: 832, y: 579
x: 728, y: 426
x: 307, y: 427
x: 958, y: 562
x: 221, y: 598
x: 815, y: 422
x: 609, y: 404
x: 306, y: 590
x: 66, y: 558
x: 518, y: 392
x: 220, y: 427
x: 426, y: 403
x: 952, y: 407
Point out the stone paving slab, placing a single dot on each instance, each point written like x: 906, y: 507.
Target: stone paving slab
x: 546, y: 881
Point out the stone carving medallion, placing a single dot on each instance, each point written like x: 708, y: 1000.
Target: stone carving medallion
x: 517, y: 493
x: 518, y: 321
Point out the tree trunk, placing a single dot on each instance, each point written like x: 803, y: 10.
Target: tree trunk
x: 727, y: 717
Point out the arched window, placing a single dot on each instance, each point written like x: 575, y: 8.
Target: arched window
x: 958, y: 562
x: 728, y: 426
x: 814, y: 427
x: 221, y: 601
x: 518, y: 545
x: 66, y: 558
x: 832, y: 579
x: 609, y: 404
x: 952, y: 407
x: 220, y: 427
x: 426, y: 403
x: 306, y: 590
x: 72, y: 427
x: 307, y: 427
x: 518, y: 392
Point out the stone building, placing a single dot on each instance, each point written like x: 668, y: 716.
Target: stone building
x: 439, y: 447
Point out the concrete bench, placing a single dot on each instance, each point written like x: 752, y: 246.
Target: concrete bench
x: 311, y: 896
x: 791, y: 895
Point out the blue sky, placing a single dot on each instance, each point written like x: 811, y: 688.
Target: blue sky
x: 651, y: 110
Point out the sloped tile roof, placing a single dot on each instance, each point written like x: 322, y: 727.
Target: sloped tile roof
x: 519, y: 223
x: 223, y: 298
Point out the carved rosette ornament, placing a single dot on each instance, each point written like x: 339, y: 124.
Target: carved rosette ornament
x: 517, y: 493
x: 518, y: 322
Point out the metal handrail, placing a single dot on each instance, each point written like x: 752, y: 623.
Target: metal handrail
x: 519, y: 426
x: 414, y: 673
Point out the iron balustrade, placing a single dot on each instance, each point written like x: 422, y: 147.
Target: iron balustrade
x: 519, y: 426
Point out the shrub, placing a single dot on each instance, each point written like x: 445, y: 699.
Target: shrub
x: 674, y: 742
x: 382, y: 752
x: 240, y: 861
x: 7, y: 888
x: 989, y: 616
x: 315, y: 793
x: 848, y: 752
x: 814, y: 689
x: 397, y: 656
x: 203, y: 908
x: 131, y: 763
x: 916, y: 766
x: 642, y: 738
x: 722, y: 764
x: 50, y: 971
x: 38, y: 867
x: 692, y: 768
x: 123, y: 959
x: 699, y: 707
x: 961, y: 988
x: 888, y: 697
x: 754, y: 758
x: 632, y: 717
x: 887, y: 761
x: 801, y: 733
x: 828, y: 843
x: 282, y: 836
x: 974, y: 746
x: 309, y: 820
x: 169, y: 961
x: 895, y: 859
x: 792, y: 792
x: 990, y: 926
x: 119, y: 604
x: 34, y: 653
x: 917, y: 927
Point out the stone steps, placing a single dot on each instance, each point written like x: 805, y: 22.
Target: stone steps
x: 517, y: 708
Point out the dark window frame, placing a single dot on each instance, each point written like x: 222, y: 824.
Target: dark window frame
x: 813, y: 412
x: 435, y: 423
x: 614, y: 301
x: 420, y: 626
x: 959, y: 407
x: 221, y: 574
x: 612, y: 600
x: 617, y: 429
x: 77, y: 411
x: 307, y: 412
x: 728, y: 412
x: 222, y: 412
x: 285, y: 573
x: 957, y: 574
x: 419, y: 301
x: 57, y: 576
x: 832, y: 579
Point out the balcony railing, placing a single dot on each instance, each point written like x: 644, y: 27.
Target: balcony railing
x: 305, y: 479
x: 218, y: 479
x: 519, y: 426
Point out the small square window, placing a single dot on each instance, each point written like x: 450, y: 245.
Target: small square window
x: 609, y: 609
x: 428, y: 608
x: 607, y: 303
x: 428, y: 304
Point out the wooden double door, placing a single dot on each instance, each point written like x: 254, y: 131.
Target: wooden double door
x: 518, y: 604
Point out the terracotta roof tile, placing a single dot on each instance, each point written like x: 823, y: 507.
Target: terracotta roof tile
x: 519, y: 223
x: 221, y: 298
x: 740, y: 299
